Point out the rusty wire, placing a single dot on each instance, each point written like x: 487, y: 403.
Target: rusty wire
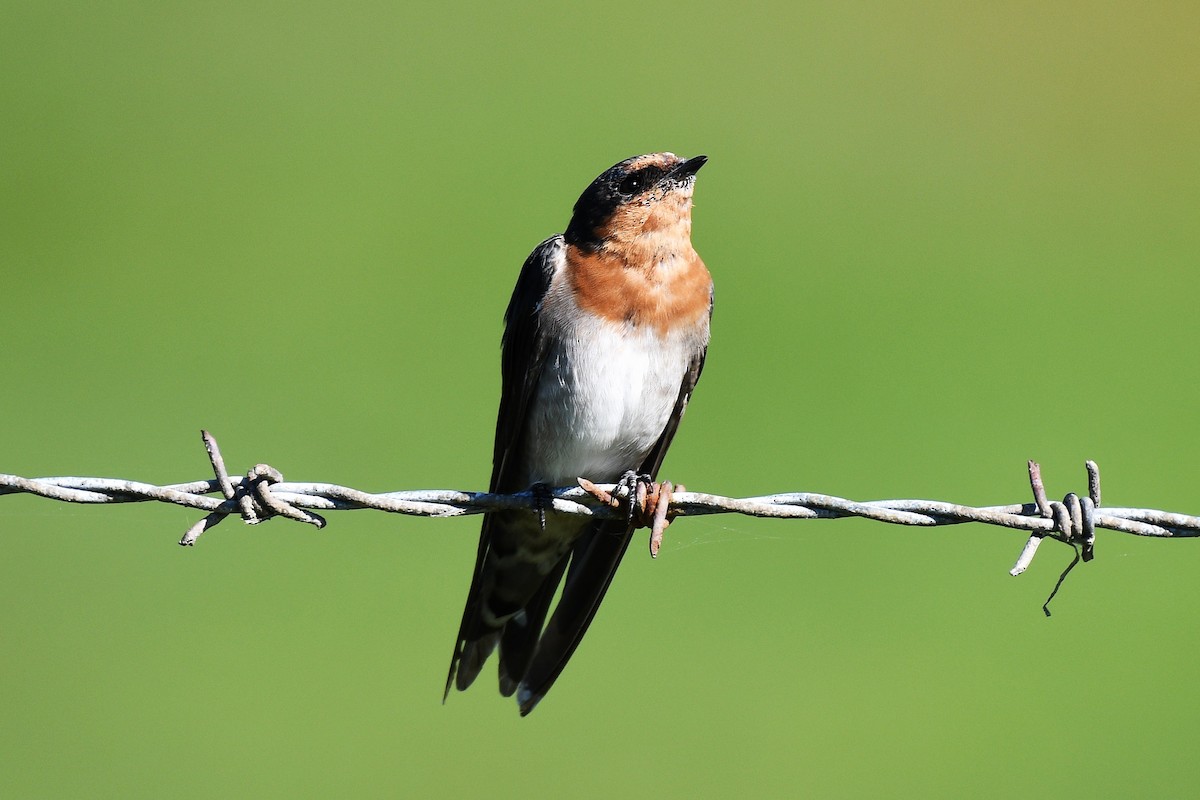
x: 262, y: 493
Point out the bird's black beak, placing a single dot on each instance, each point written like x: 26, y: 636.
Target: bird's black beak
x: 687, y: 169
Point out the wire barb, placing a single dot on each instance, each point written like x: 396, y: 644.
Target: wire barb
x: 252, y: 497
x: 1074, y: 523
x: 263, y: 493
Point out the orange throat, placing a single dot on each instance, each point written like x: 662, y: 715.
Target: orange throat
x: 645, y: 272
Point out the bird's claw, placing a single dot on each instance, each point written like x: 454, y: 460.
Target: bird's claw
x: 647, y: 503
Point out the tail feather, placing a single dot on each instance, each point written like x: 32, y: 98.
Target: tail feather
x: 533, y: 652
x: 520, y: 637
x: 594, y: 560
x: 474, y: 655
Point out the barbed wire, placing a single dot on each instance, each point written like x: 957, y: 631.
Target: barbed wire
x: 263, y: 493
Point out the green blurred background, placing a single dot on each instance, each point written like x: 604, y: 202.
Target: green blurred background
x: 946, y: 238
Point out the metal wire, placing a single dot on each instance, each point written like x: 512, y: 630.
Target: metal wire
x: 262, y: 493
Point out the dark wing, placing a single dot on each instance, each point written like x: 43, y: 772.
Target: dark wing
x: 523, y: 353
x: 594, y: 560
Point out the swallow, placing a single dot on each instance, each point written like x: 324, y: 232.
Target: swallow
x: 605, y: 338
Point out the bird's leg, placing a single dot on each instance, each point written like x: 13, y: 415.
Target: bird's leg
x: 646, y: 503
x: 634, y: 493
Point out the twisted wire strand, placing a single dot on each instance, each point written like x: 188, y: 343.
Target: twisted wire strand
x: 574, y: 500
x: 263, y: 493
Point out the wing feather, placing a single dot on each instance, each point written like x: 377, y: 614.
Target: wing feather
x: 523, y: 354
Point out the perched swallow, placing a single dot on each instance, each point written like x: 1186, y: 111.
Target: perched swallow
x: 605, y: 338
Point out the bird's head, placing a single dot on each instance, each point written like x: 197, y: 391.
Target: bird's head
x: 643, y: 196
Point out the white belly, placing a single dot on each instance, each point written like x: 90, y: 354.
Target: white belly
x: 605, y: 395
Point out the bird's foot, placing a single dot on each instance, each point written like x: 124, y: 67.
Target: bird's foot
x: 630, y: 494
x: 646, y: 503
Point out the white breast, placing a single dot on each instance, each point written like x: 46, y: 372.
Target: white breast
x: 606, y: 393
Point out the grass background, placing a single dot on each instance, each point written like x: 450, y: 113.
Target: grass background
x: 945, y: 239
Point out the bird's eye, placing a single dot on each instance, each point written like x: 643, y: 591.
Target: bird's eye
x: 631, y: 184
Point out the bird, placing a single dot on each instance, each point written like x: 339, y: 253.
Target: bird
x: 605, y: 337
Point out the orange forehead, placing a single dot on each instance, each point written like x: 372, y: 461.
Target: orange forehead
x: 663, y: 160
